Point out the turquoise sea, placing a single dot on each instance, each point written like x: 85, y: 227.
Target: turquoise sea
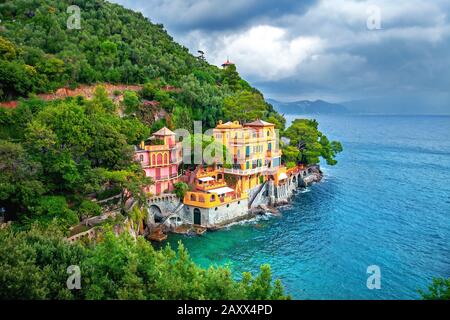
x: 386, y: 203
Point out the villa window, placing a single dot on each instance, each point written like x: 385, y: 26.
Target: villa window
x: 193, y: 197
x: 141, y: 158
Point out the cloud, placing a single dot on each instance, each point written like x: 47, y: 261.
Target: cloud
x: 319, y: 49
x: 266, y: 52
x: 213, y: 15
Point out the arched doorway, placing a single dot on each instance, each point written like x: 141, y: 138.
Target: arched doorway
x: 155, y: 211
x: 197, y: 216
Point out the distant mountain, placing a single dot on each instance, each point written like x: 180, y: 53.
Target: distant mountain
x: 307, y: 107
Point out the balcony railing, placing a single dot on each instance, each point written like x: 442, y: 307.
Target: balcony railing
x: 210, y: 186
x: 167, y: 177
x: 163, y: 147
x: 251, y: 140
x: 263, y: 169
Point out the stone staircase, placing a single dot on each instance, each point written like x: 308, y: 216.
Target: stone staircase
x: 257, y: 194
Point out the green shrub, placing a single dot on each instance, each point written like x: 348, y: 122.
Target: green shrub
x: 89, y: 209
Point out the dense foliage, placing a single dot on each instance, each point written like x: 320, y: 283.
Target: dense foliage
x: 34, y: 266
x: 438, y: 290
x: 56, y: 154
x: 40, y: 54
x: 307, y: 144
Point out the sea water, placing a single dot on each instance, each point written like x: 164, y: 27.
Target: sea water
x: 386, y: 203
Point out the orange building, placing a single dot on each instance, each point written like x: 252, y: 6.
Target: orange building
x: 213, y: 202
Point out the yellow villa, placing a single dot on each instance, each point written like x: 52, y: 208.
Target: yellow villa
x: 255, y: 159
x: 256, y: 156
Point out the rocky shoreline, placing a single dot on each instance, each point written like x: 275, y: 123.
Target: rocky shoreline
x: 264, y: 199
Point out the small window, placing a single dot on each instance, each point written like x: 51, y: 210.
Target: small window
x: 141, y: 158
x: 228, y: 205
x: 215, y: 208
x: 239, y: 202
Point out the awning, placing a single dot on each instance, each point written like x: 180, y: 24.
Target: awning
x: 206, y: 179
x: 221, y: 191
x: 282, y: 176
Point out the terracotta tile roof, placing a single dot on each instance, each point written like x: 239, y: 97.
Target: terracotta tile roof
x: 259, y: 123
x: 164, y: 132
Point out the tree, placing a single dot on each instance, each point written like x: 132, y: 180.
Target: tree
x: 16, y: 78
x: 52, y: 209
x: 310, y: 142
x: 231, y: 77
x: 209, y: 148
x: 244, y: 106
x: 131, y: 102
x: 34, y: 264
x: 278, y: 120
x: 20, y: 186
x: 180, y: 189
x: 438, y: 290
x: 7, y: 49
x: 182, y: 118
x: 101, y: 100
x: 88, y: 209
x: 132, y: 182
x: 137, y: 215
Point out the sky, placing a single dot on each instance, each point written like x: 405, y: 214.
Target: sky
x: 335, y: 50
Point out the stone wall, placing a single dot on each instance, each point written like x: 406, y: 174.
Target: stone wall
x: 220, y: 216
x: 168, y: 207
x: 161, y: 207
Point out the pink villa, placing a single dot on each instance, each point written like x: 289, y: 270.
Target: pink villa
x: 160, y: 156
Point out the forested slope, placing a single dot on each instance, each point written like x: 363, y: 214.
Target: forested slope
x: 39, y: 53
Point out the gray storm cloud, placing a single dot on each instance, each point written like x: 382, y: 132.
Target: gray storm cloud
x: 319, y: 49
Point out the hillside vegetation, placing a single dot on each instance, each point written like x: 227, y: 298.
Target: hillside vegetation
x: 57, y: 156
x: 115, y: 45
